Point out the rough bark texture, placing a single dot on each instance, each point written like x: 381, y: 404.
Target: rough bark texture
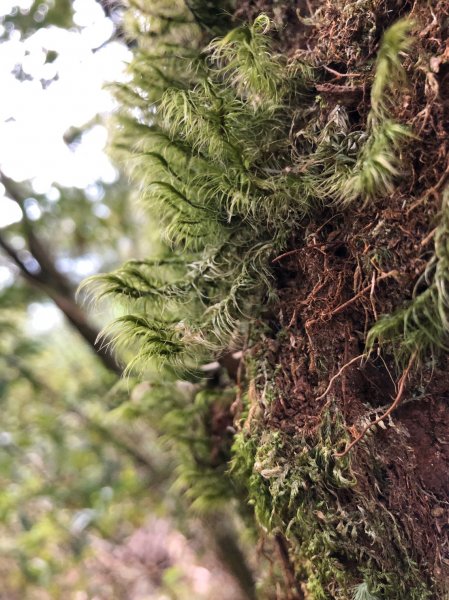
x: 383, y: 522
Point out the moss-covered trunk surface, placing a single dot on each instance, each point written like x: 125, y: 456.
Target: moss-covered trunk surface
x: 374, y: 508
x: 299, y: 168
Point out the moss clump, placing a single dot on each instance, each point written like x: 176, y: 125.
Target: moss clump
x: 341, y: 540
x: 233, y: 150
x: 421, y: 328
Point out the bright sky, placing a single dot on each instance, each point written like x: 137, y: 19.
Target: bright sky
x: 33, y: 119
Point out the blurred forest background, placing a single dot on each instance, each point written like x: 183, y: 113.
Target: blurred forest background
x: 86, y: 502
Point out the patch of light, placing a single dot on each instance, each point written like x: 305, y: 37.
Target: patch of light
x: 53, y: 194
x: 6, y: 277
x: 18, y: 242
x: 9, y: 212
x: 87, y: 12
x: 94, y: 192
x: 43, y: 317
x: 95, y: 138
x: 109, y: 174
x: 32, y: 208
x: 67, y: 225
x: 6, y: 439
x: 98, y: 34
x: 78, y: 268
x: 101, y: 211
x: 7, y: 6
x: 40, y: 184
x: 33, y: 118
x: 29, y: 261
x: 15, y: 35
x: 96, y: 27
x: 34, y: 61
x: 82, y: 519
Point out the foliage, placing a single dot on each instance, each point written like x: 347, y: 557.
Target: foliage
x: 64, y: 480
x: 84, y: 468
x: 185, y: 416
x: 207, y: 136
x: 421, y: 327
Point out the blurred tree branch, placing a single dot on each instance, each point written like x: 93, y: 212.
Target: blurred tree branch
x: 49, y: 280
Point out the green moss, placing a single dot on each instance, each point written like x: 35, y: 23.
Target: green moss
x: 340, y: 536
x: 206, y: 135
x: 421, y: 327
x: 230, y: 148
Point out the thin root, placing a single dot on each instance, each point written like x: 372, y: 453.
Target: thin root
x: 337, y: 375
x: 395, y: 403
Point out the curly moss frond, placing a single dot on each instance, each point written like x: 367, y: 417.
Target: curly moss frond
x: 134, y: 282
x: 389, y: 71
x: 421, y: 327
x: 379, y: 160
x: 200, y: 117
x: 169, y: 342
x: 246, y: 62
x: 377, y: 165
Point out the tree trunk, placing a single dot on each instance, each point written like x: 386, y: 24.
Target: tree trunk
x: 352, y: 449
x: 324, y: 139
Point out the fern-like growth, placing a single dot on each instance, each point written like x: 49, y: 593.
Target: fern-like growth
x: 389, y: 71
x: 421, y: 327
x: 208, y: 135
x: 378, y: 163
